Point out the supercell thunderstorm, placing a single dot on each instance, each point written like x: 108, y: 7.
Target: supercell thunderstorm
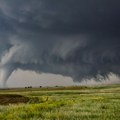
x: 75, y: 38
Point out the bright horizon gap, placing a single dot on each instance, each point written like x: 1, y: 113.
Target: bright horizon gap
x: 22, y: 78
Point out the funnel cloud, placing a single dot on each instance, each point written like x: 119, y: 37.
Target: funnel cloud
x: 74, y: 38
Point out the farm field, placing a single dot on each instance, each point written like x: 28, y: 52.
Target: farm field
x: 61, y: 103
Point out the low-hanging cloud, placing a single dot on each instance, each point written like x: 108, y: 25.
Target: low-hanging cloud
x: 75, y: 38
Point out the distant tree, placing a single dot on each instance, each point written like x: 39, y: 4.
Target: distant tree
x: 29, y: 86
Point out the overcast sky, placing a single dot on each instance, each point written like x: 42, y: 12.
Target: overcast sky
x: 77, y: 39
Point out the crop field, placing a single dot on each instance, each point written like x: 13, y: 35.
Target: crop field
x: 61, y: 103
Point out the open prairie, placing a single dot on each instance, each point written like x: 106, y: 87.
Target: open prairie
x: 61, y: 103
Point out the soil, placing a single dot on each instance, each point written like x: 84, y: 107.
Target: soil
x: 6, y: 99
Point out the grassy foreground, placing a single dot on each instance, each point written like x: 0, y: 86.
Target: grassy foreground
x: 65, y: 103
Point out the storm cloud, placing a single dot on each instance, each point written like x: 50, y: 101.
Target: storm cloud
x: 75, y: 38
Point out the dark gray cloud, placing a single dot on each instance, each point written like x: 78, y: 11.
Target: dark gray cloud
x: 74, y: 38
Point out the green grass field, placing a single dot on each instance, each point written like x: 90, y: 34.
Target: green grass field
x: 61, y: 103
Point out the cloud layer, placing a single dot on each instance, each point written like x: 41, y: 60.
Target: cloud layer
x: 75, y: 38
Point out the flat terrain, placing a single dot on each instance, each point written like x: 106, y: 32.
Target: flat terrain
x: 61, y: 103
